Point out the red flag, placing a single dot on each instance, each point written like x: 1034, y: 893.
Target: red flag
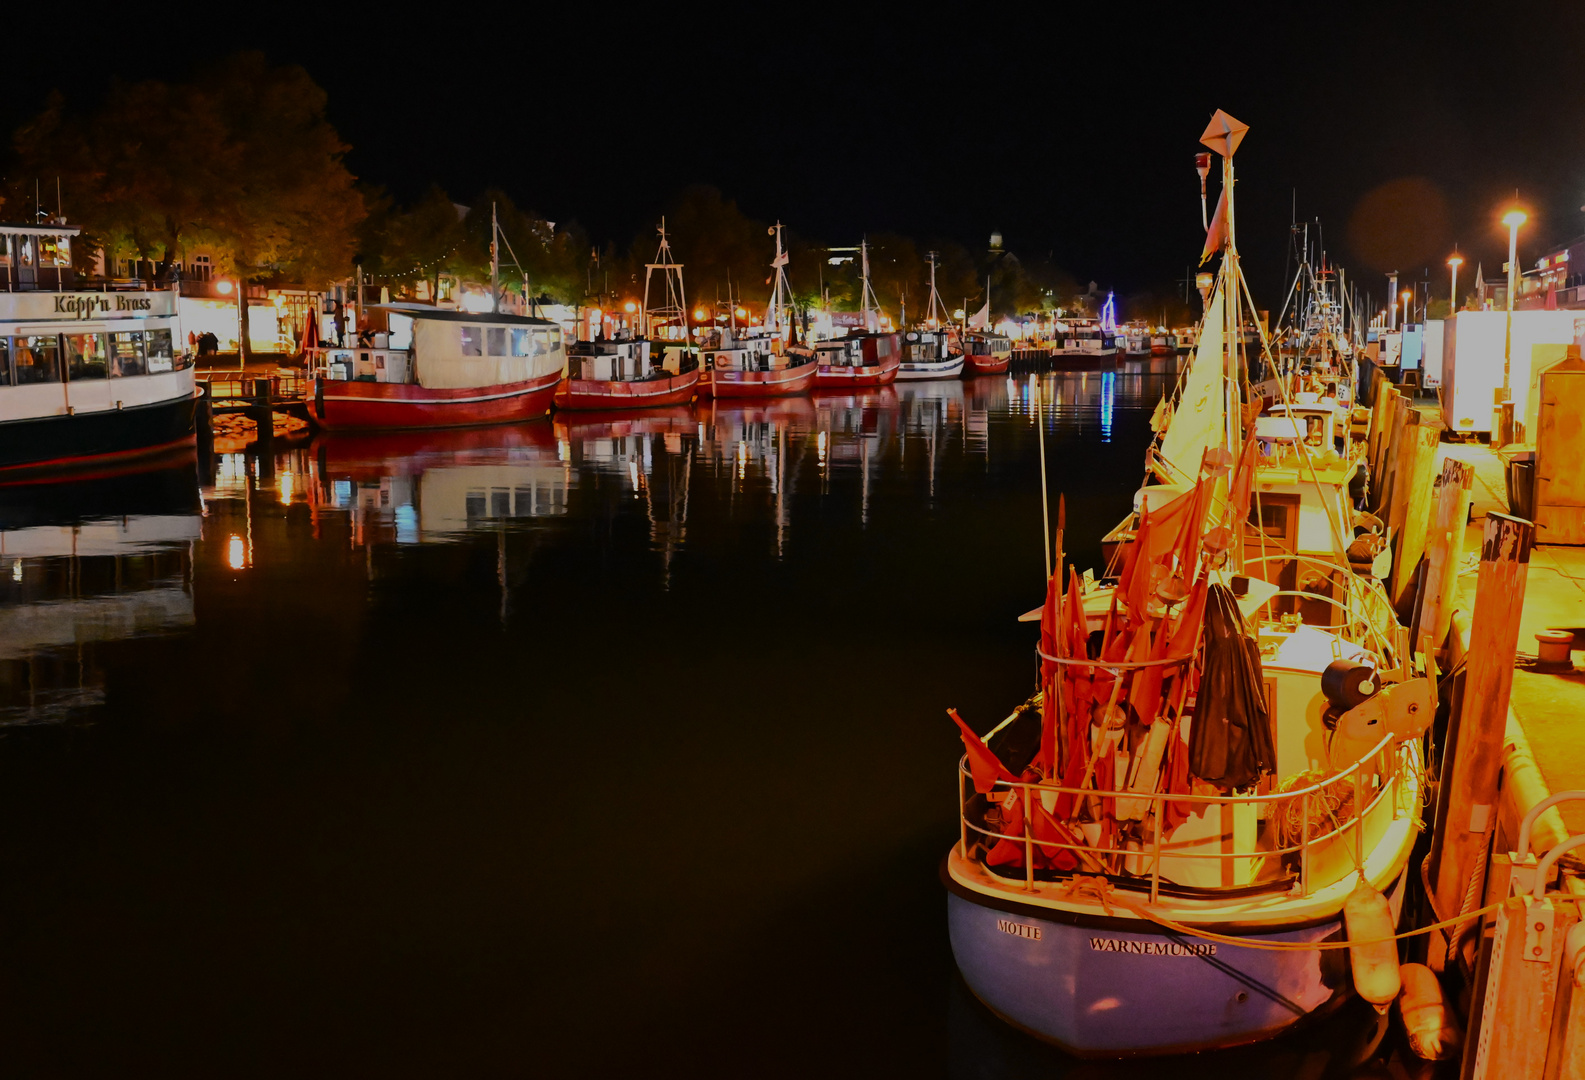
x: 1145, y: 693
x: 1216, y: 236
x: 1191, y: 615
x: 985, y: 766
x: 1133, y: 552
x: 1047, y: 828
x: 1243, y: 484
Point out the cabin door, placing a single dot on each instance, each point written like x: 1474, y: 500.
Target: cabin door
x: 1271, y: 536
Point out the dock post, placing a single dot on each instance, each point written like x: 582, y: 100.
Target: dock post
x: 1467, y: 805
x: 1411, y: 502
x: 1520, y: 999
x: 1445, y: 548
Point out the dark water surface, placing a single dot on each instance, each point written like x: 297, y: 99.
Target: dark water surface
x: 606, y: 747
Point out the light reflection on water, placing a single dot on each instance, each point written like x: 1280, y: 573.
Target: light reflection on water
x: 492, y: 725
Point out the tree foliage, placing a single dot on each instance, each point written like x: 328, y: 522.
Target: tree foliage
x: 240, y: 160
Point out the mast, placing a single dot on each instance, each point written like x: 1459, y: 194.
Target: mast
x: 676, y: 300
x: 495, y: 263
x: 775, y: 320
x: 869, y: 304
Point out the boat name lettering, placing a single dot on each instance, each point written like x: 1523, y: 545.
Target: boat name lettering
x: 1023, y: 930
x: 1151, y: 948
x: 88, y: 305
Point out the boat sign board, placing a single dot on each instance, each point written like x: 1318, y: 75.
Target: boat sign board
x: 1151, y: 948
x: 1023, y: 930
x: 53, y: 306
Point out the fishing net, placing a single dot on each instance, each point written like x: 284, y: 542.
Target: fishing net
x: 1328, y: 809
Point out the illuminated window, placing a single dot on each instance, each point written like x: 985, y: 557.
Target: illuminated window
x: 85, y: 357
x: 472, y: 341
x: 55, y: 251
x: 5, y: 361
x: 158, y: 354
x: 521, y: 343
x: 36, y: 359
x: 126, y: 354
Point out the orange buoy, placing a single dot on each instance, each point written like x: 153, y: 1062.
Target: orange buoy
x: 1368, y: 917
x: 1433, y: 1031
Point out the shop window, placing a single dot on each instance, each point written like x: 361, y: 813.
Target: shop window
x: 126, y: 354
x: 85, y: 357
x: 36, y: 359
x: 472, y: 341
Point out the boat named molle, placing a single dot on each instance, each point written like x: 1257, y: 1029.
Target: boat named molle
x: 90, y: 372
x: 858, y: 360
x: 986, y: 353
x: 742, y: 366
x: 437, y: 368
x: 927, y: 356
x: 617, y: 374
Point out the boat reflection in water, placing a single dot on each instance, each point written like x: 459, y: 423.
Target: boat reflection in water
x: 426, y: 486
x: 84, y: 565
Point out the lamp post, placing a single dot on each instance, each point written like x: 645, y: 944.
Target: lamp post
x: 1513, y: 219
x: 1408, y: 298
x: 1455, y: 261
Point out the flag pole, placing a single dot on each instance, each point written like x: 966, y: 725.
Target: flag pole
x: 1045, y: 507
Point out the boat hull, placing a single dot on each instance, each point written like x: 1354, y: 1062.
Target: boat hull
x: 946, y: 369
x: 585, y: 394
x: 347, y: 406
x: 1108, y: 987
x: 985, y: 365
x: 47, y: 444
x: 837, y: 377
x: 759, y: 384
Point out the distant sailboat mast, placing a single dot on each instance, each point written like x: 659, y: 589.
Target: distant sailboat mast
x: 936, y: 313
x: 869, y: 303
x: 776, y: 321
x: 675, y: 304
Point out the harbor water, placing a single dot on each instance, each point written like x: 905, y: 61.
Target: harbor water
x: 592, y: 746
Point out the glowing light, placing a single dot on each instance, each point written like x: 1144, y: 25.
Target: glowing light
x: 958, y: 314
x: 698, y: 315
x: 1109, y: 313
x: 223, y: 287
x: 280, y: 301
x: 740, y: 313
x: 285, y: 485
x: 236, y: 553
x: 742, y: 459
x: 16, y: 570
x: 475, y: 303
x: 630, y: 307
x: 1515, y: 218
x: 1455, y: 260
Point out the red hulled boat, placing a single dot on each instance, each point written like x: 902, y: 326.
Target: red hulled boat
x: 986, y: 353
x: 753, y: 367
x: 860, y: 360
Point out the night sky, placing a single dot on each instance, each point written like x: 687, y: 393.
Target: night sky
x: 1070, y: 129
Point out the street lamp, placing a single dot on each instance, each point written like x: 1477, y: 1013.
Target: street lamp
x: 1513, y: 219
x: 1455, y: 261
x: 1408, y: 296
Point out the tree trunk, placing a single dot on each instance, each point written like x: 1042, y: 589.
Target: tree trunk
x: 244, y: 350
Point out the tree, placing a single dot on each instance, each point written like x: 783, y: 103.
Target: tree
x: 241, y: 159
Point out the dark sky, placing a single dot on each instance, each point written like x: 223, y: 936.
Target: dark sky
x: 1070, y: 128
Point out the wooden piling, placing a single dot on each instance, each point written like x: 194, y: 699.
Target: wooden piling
x: 1467, y: 804
x: 1410, y: 511
x: 1445, y: 548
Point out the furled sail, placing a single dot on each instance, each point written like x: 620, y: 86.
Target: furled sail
x: 1198, y: 421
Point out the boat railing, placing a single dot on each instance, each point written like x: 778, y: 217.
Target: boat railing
x: 1324, y: 857
x: 1356, y: 616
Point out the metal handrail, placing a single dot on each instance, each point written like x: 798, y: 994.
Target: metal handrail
x: 1029, y: 791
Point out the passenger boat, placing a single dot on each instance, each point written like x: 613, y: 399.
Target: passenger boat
x: 1086, y: 344
x: 927, y: 355
x: 432, y: 367
x: 90, y: 371
x: 637, y: 371
x: 1163, y: 343
x: 986, y: 352
x: 1157, y: 847
x: 1135, y: 341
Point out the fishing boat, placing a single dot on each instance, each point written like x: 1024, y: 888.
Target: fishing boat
x: 431, y: 367
x: 767, y: 361
x: 637, y: 371
x: 986, y: 352
x: 90, y: 371
x: 865, y: 358
x: 1161, y: 848
x: 1163, y: 343
x: 927, y: 349
x: 928, y: 355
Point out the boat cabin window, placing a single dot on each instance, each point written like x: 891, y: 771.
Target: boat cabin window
x: 521, y: 343
x: 495, y: 337
x: 160, y: 355
x: 5, y: 362
x: 85, y: 357
x: 36, y: 359
x: 472, y: 341
x: 126, y: 354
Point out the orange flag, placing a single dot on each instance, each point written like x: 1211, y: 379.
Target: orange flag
x: 1216, y: 236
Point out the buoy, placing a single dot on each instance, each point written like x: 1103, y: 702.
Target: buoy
x: 1368, y: 918
x: 1433, y: 1031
